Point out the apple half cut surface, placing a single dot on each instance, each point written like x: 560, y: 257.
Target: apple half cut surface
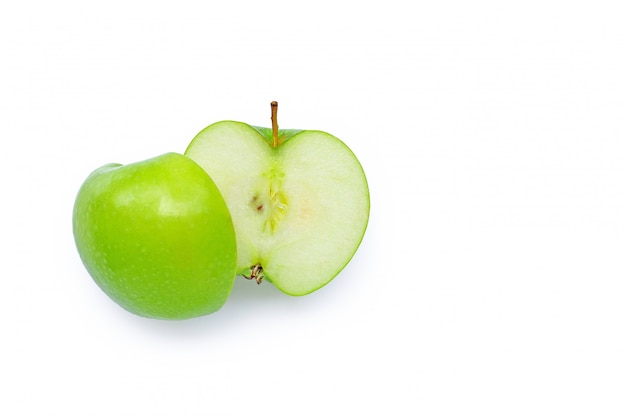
x: 299, y: 200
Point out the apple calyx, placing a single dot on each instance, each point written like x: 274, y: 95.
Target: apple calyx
x: 256, y: 273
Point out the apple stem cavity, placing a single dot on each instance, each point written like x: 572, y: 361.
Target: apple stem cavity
x: 256, y: 273
x: 274, y: 105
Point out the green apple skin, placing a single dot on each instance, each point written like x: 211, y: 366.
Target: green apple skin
x: 300, y: 205
x: 157, y: 237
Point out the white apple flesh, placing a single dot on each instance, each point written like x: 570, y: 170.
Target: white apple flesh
x: 300, y: 208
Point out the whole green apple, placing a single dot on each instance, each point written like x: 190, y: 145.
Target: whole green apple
x: 157, y: 237
x: 299, y: 200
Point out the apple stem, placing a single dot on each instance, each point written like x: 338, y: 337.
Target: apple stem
x: 274, y: 105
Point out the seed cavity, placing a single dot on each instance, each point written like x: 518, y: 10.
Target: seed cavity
x: 272, y: 205
x: 257, y: 204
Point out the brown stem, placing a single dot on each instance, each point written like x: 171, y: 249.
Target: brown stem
x: 274, y: 105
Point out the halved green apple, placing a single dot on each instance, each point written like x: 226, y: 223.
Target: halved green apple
x: 299, y: 200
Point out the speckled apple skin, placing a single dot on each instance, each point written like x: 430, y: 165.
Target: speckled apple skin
x: 157, y: 237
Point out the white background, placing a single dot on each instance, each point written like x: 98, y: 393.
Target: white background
x: 491, y: 280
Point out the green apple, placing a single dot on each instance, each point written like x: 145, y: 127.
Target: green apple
x: 298, y: 198
x: 157, y: 237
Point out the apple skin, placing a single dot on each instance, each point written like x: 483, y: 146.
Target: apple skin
x: 157, y: 237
